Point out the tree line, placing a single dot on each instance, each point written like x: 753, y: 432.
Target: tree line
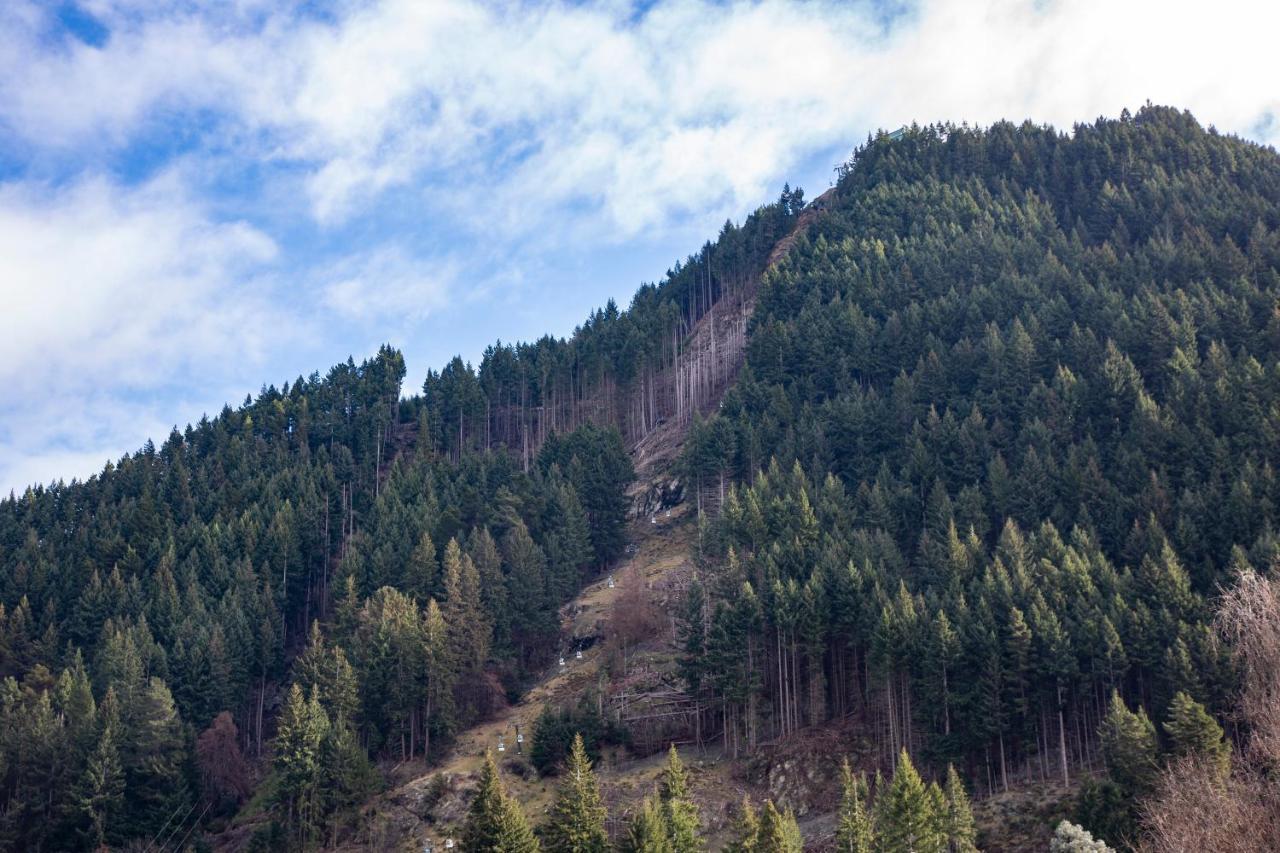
x: 627, y: 369
x: 902, y: 815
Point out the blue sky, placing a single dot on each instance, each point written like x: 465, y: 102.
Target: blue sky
x: 197, y: 198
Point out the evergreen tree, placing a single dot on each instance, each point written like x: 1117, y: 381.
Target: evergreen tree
x: 746, y: 836
x: 495, y: 823
x: 1128, y: 745
x: 854, y: 832
x: 155, y: 755
x: 679, y: 810
x: 302, y: 730
x: 906, y: 820
x: 646, y: 831
x: 422, y: 575
x: 101, y: 791
x: 577, y: 816
x: 957, y: 822
x: 1193, y: 731
x: 779, y: 832
x: 346, y: 776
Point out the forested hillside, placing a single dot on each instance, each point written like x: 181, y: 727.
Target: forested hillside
x: 397, y: 562
x: 974, y: 444
x: 1009, y: 420
x: 149, y: 616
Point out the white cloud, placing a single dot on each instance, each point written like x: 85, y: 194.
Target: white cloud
x: 111, y: 297
x: 106, y: 275
x: 694, y: 107
x: 388, y: 286
x: 541, y: 126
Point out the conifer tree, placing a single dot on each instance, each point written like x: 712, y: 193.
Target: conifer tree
x: 779, y: 832
x: 906, y: 821
x: 155, y: 758
x: 495, y: 823
x: 680, y: 812
x: 101, y: 793
x: 438, y: 696
x: 470, y: 631
x: 1128, y: 745
x: 577, y: 817
x: 646, y: 831
x: 527, y: 586
x: 302, y: 730
x: 1194, y: 732
x: 746, y: 835
x: 854, y: 832
x: 346, y: 776
x: 958, y: 823
x: 938, y: 812
x: 422, y: 575
x: 493, y: 587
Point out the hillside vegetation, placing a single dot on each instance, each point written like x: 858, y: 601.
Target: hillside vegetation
x: 1008, y: 421
x: 974, y: 441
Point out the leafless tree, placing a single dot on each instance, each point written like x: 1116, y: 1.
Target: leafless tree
x: 224, y: 774
x: 1193, y: 808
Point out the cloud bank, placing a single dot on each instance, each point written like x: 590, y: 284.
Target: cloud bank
x: 197, y: 177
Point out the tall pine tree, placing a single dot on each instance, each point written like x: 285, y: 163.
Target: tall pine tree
x: 577, y: 817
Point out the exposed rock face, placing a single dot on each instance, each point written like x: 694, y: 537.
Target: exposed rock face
x: 661, y: 495
x: 797, y: 783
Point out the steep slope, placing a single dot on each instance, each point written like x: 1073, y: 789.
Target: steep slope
x: 1021, y: 391
x: 417, y: 810
x: 977, y: 435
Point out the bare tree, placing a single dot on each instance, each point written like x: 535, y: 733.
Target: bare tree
x: 634, y: 616
x: 224, y: 774
x: 1193, y: 808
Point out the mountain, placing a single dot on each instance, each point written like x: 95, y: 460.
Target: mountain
x: 946, y: 467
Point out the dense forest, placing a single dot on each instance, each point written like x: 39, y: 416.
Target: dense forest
x: 975, y: 443
x: 329, y: 557
x: 1009, y: 420
x: 150, y: 615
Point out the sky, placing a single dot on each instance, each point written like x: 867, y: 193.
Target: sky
x: 200, y: 198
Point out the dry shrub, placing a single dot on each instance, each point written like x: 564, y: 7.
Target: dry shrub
x: 1192, y: 808
x: 224, y: 774
x: 634, y: 616
x: 1249, y: 617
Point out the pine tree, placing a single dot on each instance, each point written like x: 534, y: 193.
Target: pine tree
x: 101, y: 793
x: 854, y: 832
x: 1128, y: 745
x: 422, y: 575
x: 1194, y: 732
x: 680, y: 812
x: 747, y: 831
x: 779, y: 832
x: 302, y: 731
x: 495, y: 823
x: 906, y: 821
x: 493, y: 586
x: 646, y: 831
x: 957, y: 822
x: 155, y: 761
x: 346, y: 776
x: 577, y: 817
x: 470, y: 631
x: 439, y: 710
